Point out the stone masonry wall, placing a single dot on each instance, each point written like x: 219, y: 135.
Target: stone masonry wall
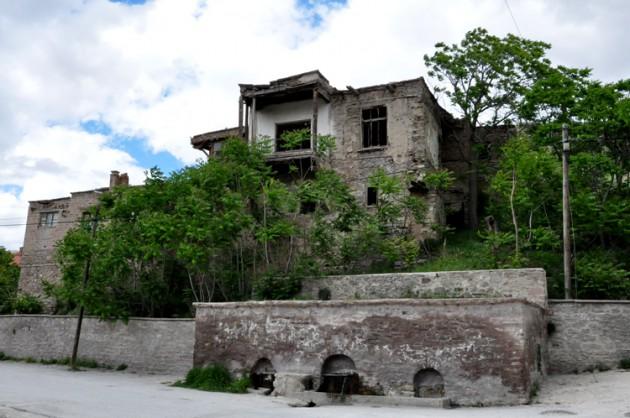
x: 586, y: 334
x: 413, y: 131
x: 529, y: 284
x: 482, y: 347
x: 144, y: 345
x: 38, y: 263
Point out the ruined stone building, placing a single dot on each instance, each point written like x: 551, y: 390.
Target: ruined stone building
x: 47, y: 222
x: 396, y: 126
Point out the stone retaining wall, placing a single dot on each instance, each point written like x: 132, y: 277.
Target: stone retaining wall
x: 488, y: 351
x: 144, y: 344
x: 585, y: 334
x: 529, y: 284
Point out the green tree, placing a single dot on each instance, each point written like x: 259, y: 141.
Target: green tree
x: 486, y: 77
x: 9, y: 276
x: 225, y: 229
x: 526, y: 192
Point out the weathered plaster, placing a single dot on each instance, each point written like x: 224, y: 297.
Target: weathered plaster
x: 481, y: 347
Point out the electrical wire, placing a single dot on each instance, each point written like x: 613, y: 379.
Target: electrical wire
x: 513, y: 19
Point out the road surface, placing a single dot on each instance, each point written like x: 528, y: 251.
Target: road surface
x: 37, y: 391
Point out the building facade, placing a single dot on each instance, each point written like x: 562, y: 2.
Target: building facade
x: 47, y: 222
x: 395, y: 126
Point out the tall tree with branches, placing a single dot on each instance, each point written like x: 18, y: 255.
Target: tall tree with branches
x: 485, y: 78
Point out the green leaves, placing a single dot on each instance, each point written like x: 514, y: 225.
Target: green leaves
x: 485, y: 76
x: 9, y: 276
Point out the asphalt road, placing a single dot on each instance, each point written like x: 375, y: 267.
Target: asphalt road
x: 37, y: 391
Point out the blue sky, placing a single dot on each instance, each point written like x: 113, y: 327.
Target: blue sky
x: 137, y: 147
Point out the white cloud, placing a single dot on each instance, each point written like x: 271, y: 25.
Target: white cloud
x: 169, y: 69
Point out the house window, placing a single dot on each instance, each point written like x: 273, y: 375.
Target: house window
x: 372, y: 196
x: 374, y: 121
x: 47, y: 218
x: 293, y: 135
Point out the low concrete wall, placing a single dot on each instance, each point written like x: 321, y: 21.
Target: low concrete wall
x: 487, y: 350
x: 587, y: 333
x: 144, y: 344
x: 528, y: 284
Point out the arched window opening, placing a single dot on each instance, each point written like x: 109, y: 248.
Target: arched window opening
x: 339, y: 376
x: 428, y: 383
x: 263, y: 374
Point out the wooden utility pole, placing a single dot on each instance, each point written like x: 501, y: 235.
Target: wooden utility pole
x: 566, y: 218
x: 86, y: 277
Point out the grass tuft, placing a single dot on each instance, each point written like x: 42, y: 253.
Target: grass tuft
x: 213, y: 378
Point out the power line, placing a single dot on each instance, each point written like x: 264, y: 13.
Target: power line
x: 512, y: 15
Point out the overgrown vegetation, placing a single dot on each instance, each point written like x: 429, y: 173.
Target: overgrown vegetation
x: 230, y: 229
x: 510, y: 81
x: 214, y: 378
x: 11, y: 301
x: 9, y: 276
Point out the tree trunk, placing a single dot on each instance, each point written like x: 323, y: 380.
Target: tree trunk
x: 514, y: 220
x: 473, y: 182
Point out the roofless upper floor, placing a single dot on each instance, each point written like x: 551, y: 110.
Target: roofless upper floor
x: 308, y: 102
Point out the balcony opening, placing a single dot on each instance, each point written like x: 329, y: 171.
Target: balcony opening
x: 293, y: 136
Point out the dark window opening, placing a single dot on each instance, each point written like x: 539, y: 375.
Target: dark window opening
x: 293, y: 135
x: 374, y: 123
x: 324, y: 294
x: 263, y: 375
x: 419, y: 188
x: 372, y: 196
x: 428, y: 383
x: 307, y: 207
x: 47, y: 218
x: 339, y: 376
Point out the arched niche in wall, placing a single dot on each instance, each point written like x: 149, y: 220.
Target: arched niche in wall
x: 263, y: 374
x: 428, y: 383
x: 339, y: 376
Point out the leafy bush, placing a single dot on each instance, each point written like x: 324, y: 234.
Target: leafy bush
x: 9, y: 275
x: 624, y: 363
x: 599, y: 276
x: 276, y: 287
x: 27, y: 304
x: 214, y: 378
